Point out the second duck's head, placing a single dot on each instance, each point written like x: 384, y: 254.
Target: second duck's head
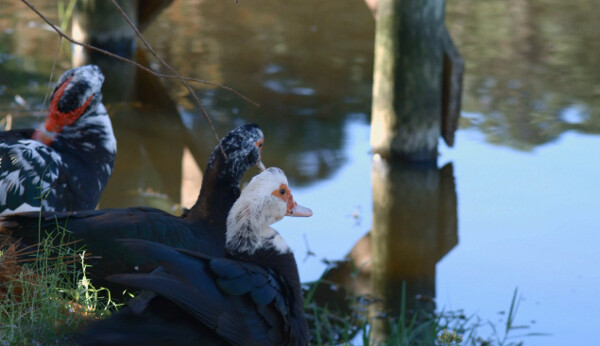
x: 241, y: 149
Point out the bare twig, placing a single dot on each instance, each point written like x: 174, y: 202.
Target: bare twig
x: 162, y: 61
x: 140, y: 66
x: 51, y: 73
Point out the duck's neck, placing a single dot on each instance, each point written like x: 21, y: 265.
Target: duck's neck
x: 220, y: 189
x: 284, y: 264
x: 92, y: 135
x: 88, y: 148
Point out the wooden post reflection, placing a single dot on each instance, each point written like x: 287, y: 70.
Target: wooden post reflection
x: 414, y: 226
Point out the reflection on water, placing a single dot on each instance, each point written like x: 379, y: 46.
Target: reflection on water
x: 414, y: 226
x: 526, y: 216
x: 528, y: 62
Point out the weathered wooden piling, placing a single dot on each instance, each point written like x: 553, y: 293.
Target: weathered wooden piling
x: 409, y: 79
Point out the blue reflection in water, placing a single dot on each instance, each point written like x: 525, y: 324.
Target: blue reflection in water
x: 287, y: 87
x: 333, y: 229
x: 526, y: 219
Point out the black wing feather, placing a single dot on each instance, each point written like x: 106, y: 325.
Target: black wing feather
x: 99, y: 229
x: 191, y: 282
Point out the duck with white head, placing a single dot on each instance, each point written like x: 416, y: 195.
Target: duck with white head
x: 252, y: 297
x: 267, y: 199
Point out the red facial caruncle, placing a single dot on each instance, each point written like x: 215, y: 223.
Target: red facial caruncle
x: 292, y: 208
x: 56, y: 119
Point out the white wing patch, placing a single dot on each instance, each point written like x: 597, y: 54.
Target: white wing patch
x: 21, y: 209
x: 28, y: 159
x: 10, y: 183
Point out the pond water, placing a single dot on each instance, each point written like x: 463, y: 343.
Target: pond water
x: 513, y: 205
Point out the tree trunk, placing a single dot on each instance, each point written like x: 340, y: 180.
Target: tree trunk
x: 408, y: 75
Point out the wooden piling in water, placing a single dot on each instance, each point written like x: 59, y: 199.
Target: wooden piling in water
x: 408, y: 85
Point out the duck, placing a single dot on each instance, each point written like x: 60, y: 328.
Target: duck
x: 65, y: 163
x: 201, y: 228
x: 250, y: 297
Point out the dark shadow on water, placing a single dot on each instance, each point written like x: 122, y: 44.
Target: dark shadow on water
x: 414, y: 227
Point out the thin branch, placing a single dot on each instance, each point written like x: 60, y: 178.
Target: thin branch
x: 51, y: 74
x: 162, y: 61
x: 140, y: 66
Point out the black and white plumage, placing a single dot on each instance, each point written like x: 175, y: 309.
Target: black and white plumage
x: 253, y: 297
x: 201, y: 228
x: 65, y: 163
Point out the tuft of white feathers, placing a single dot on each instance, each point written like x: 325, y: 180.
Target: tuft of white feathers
x: 250, y: 217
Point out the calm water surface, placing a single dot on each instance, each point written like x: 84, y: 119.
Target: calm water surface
x: 517, y: 208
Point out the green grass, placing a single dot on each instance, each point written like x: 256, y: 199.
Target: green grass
x: 45, y: 295
x: 47, y: 298
x: 408, y: 327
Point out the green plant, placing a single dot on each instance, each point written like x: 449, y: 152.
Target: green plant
x: 46, y: 296
x: 65, y: 13
x: 367, y: 326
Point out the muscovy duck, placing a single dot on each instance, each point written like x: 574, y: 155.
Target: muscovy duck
x: 253, y: 297
x: 201, y: 228
x: 65, y: 163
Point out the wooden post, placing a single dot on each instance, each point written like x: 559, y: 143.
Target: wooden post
x: 454, y: 69
x: 408, y: 79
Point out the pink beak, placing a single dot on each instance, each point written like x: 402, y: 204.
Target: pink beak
x: 295, y: 209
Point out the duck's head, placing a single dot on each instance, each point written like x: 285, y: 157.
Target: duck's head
x: 76, y: 94
x: 242, y: 148
x: 264, y: 201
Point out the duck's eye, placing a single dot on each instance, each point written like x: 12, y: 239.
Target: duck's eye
x: 260, y: 145
x: 282, y: 192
